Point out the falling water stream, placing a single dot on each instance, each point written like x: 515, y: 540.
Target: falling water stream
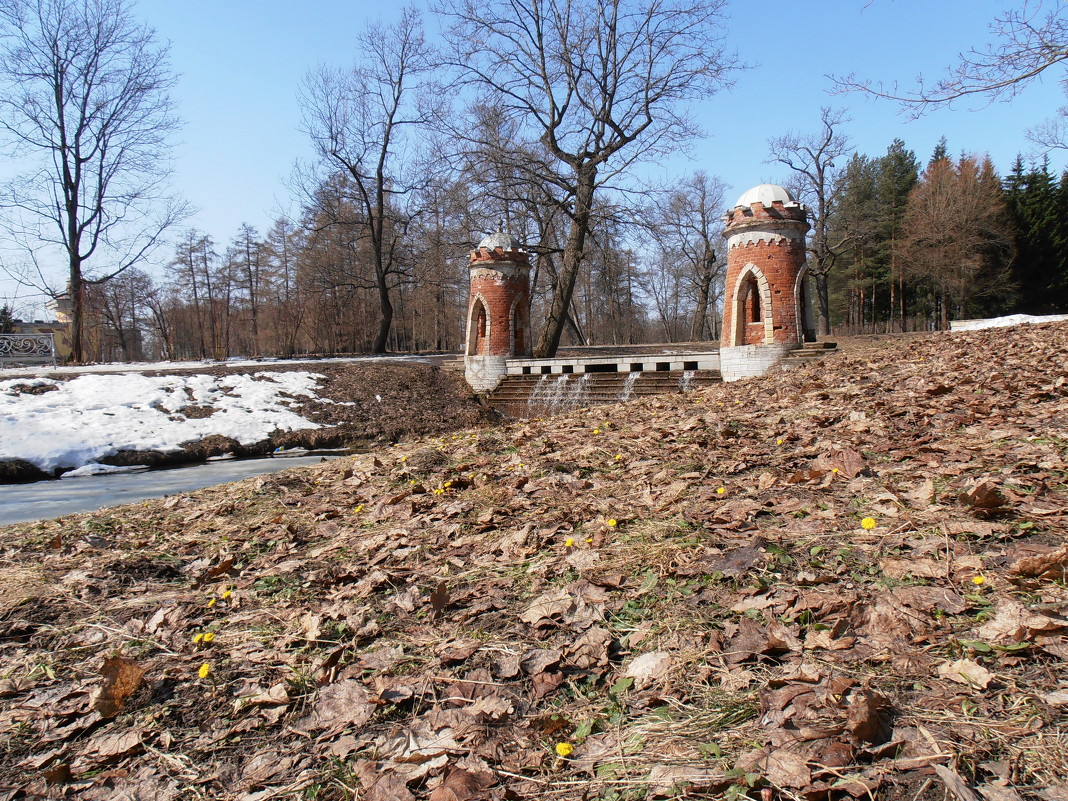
x: 628, y: 385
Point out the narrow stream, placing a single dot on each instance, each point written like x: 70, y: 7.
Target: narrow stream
x: 47, y: 499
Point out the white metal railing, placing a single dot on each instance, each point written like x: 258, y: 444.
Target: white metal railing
x: 27, y: 349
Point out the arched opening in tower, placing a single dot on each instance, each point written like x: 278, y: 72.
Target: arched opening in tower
x: 478, y: 331
x: 806, y: 309
x: 753, y: 312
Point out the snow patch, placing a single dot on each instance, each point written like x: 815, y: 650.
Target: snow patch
x: 94, y: 469
x: 1005, y: 322
x: 93, y: 416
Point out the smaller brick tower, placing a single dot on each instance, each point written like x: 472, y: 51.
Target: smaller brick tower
x: 498, y: 312
x: 765, y: 309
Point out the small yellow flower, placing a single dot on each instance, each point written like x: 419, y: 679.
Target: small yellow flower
x: 359, y: 508
x: 565, y: 749
x: 589, y: 539
x: 198, y: 638
x: 404, y: 458
x: 619, y: 457
x: 226, y: 594
x: 868, y: 523
x: 978, y: 580
x: 208, y: 636
x: 721, y: 490
x: 595, y: 431
x: 778, y: 442
x: 834, y: 470
x: 447, y: 484
x: 613, y: 523
x: 204, y: 671
x: 211, y: 603
x: 569, y: 542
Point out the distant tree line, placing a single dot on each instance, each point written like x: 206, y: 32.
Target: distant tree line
x: 951, y: 240
x: 556, y: 119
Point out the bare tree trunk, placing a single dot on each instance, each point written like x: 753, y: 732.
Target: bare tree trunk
x: 569, y: 267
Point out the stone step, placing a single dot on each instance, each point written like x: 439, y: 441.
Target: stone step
x: 551, y: 395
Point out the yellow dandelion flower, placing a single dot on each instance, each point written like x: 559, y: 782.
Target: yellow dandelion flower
x: 198, y: 638
x: 834, y: 470
x: 211, y: 603
x: 569, y: 542
x: 868, y: 523
x: 565, y: 749
x: 613, y: 523
x: 205, y: 670
x: 596, y: 431
x: 619, y: 457
x: 589, y: 539
x: 226, y: 594
x: 778, y: 442
x: 721, y: 490
x: 208, y: 636
x: 979, y: 580
x: 359, y: 508
x: 447, y: 484
x: 404, y: 458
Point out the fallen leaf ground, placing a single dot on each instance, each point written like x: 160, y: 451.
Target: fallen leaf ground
x: 845, y: 581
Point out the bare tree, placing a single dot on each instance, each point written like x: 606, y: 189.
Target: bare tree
x: 84, y: 96
x: 812, y: 157
x: 686, y: 225
x: 361, y: 120
x: 1025, y: 42
x: 599, y: 84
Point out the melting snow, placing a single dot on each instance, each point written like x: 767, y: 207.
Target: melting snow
x: 92, y: 416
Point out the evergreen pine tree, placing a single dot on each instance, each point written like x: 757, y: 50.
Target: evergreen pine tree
x: 941, y: 151
x: 7, y: 320
x: 898, y: 172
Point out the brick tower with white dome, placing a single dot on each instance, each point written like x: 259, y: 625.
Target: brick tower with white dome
x: 498, y: 311
x: 765, y: 309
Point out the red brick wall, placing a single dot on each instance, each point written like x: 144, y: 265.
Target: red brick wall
x: 499, y: 290
x: 780, y: 262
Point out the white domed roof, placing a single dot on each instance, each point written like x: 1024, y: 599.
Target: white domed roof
x: 765, y: 194
x: 500, y: 239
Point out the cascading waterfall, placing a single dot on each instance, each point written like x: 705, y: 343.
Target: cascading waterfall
x: 628, y: 385
x: 686, y: 382
x: 578, y: 394
x: 538, y: 395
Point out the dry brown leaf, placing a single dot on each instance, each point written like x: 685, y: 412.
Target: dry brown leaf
x: 1052, y: 565
x: 967, y: 672
x: 649, y: 668
x: 550, y: 605
x: 345, y: 703
x: 786, y: 769
x: 122, y: 678
x: 983, y: 496
x: 670, y: 780
x: 462, y: 785
x: 1013, y: 622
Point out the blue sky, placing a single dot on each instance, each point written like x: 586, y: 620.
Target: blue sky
x: 241, y: 66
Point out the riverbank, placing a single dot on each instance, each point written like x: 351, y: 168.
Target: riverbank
x: 843, y: 581
x: 51, y: 423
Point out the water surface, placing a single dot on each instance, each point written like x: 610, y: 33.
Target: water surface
x: 47, y: 499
